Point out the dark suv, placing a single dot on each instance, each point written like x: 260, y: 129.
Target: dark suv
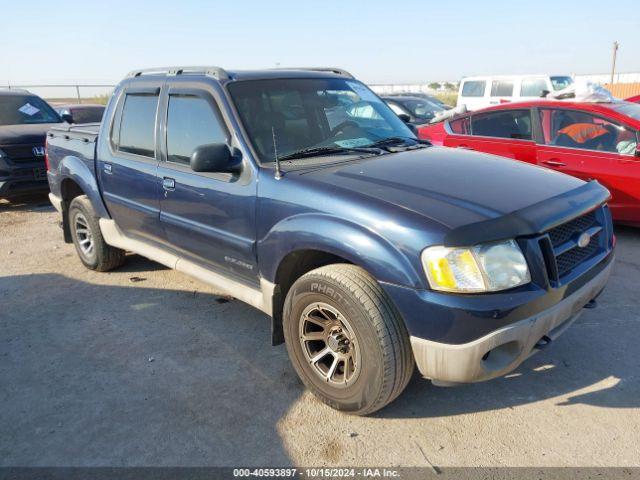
x: 301, y: 193
x: 24, y: 121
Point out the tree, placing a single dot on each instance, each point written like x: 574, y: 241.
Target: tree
x: 449, y: 86
x: 434, y: 85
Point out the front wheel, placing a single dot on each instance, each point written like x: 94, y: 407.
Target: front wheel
x: 346, y: 340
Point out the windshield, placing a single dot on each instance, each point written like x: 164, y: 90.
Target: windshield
x: 627, y: 108
x: 25, y: 110
x: 311, y: 113
x: 559, y: 83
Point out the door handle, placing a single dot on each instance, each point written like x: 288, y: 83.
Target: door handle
x: 464, y: 147
x: 107, y: 168
x: 554, y: 163
x: 168, y: 183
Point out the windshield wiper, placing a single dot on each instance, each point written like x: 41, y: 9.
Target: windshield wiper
x: 330, y: 150
x: 398, y: 142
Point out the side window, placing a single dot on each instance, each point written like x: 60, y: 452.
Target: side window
x: 191, y: 122
x: 503, y: 124
x: 473, y: 88
x: 574, y: 129
x: 460, y: 126
x: 501, y: 88
x: 138, y: 125
x: 532, y: 87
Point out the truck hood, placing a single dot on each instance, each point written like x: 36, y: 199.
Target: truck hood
x: 450, y: 186
x: 24, y: 134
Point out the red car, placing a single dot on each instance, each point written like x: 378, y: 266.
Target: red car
x: 635, y: 99
x: 587, y: 140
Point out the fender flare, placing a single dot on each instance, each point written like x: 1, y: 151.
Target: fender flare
x: 334, y: 235
x: 73, y: 168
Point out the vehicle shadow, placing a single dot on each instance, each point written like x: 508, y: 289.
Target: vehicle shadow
x: 27, y: 203
x: 108, y: 375
x: 112, y: 375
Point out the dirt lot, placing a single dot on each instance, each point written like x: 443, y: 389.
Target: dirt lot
x: 101, y: 369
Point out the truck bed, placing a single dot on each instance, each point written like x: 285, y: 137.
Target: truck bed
x: 77, y: 140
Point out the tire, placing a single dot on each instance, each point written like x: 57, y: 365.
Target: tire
x: 85, y: 231
x: 374, y: 361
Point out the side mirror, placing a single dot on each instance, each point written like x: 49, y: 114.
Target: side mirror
x: 544, y: 93
x: 66, y: 117
x: 404, y: 117
x: 214, y: 157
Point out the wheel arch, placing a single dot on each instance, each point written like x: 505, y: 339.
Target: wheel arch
x: 300, y: 244
x: 78, y: 179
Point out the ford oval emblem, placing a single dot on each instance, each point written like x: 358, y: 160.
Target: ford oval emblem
x: 584, y: 239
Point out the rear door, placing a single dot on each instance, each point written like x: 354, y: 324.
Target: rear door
x: 127, y: 162
x: 504, y: 132
x: 501, y: 91
x: 208, y: 217
x: 589, y: 146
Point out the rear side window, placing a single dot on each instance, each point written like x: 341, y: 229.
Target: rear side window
x: 137, y: 127
x: 503, y: 124
x: 473, y: 88
x: 533, y: 87
x: 460, y: 126
x: 191, y: 122
x: 501, y: 88
x: 87, y: 115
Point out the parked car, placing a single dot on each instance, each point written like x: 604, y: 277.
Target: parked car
x: 587, y: 140
x: 368, y: 249
x: 24, y: 121
x: 635, y: 99
x: 422, y: 95
x: 480, y: 92
x: 413, y: 110
x: 80, y: 113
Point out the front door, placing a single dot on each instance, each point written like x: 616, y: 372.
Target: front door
x: 208, y: 218
x: 590, y: 147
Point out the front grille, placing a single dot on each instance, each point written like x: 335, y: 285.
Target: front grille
x: 562, y: 252
x: 564, y: 232
x: 568, y: 260
x: 22, y: 153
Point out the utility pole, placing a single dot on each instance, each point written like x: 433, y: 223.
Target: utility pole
x: 616, y: 45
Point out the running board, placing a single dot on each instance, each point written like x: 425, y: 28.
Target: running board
x: 262, y: 298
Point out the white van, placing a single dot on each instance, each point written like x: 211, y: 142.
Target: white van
x: 480, y: 92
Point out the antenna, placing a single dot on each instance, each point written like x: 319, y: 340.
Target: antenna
x: 275, y: 153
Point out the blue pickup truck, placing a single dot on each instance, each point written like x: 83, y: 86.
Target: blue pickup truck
x: 302, y: 194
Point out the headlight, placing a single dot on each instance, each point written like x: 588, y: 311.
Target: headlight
x: 483, y: 268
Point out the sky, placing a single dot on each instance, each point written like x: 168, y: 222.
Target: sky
x: 378, y: 41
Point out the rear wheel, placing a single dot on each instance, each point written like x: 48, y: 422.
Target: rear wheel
x: 345, y: 339
x: 93, y: 251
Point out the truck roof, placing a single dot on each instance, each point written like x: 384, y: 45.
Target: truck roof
x: 231, y: 75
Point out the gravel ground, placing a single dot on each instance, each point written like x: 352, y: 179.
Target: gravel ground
x: 145, y: 366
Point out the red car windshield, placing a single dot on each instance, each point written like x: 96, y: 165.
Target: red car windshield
x: 627, y: 108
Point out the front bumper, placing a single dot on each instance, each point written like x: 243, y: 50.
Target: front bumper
x: 20, y: 179
x: 507, y: 347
